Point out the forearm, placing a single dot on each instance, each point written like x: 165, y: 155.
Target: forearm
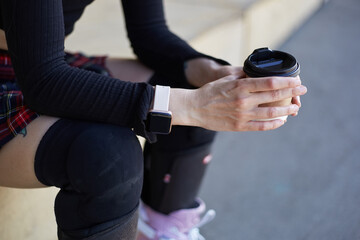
x: 150, y: 38
x: 35, y: 36
x: 154, y: 44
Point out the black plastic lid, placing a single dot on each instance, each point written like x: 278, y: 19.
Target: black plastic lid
x: 265, y: 62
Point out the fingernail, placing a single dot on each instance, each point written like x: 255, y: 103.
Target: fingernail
x: 301, y: 89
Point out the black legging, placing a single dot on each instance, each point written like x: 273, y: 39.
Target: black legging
x: 174, y: 168
x: 99, y: 169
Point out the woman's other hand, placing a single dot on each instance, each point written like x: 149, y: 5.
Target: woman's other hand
x: 200, y: 71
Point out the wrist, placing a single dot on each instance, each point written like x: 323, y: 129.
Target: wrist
x: 181, y: 106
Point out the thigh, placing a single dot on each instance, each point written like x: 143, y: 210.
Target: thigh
x: 17, y: 156
x: 128, y: 69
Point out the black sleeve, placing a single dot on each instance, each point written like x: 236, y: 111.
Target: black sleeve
x: 35, y: 36
x: 153, y: 42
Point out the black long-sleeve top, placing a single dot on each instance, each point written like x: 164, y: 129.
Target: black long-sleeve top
x: 35, y: 32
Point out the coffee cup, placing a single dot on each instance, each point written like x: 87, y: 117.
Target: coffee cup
x: 264, y: 62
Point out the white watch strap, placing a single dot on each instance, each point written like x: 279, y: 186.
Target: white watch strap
x: 162, y: 98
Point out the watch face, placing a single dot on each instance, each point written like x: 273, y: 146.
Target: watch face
x: 159, y: 122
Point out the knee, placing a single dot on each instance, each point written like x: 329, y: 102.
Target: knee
x: 105, y: 158
x: 99, y: 168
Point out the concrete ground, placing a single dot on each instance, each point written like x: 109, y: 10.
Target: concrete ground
x: 301, y: 182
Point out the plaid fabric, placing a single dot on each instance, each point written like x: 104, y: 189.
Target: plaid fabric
x: 14, y: 114
x: 94, y: 64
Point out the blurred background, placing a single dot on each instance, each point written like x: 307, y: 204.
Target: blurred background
x: 299, y: 182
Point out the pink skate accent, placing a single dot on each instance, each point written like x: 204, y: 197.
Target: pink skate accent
x: 207, y: 159
x: 167, y: 178
x: 178, y: 225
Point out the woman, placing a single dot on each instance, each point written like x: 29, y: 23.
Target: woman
x: 70, y: 121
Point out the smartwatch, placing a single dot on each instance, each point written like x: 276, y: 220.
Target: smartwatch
x: 159, y: 117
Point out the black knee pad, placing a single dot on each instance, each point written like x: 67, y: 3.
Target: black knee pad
x: 99, y: 169
x: 174, y: 168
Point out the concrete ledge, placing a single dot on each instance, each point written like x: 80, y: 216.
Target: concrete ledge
x: 27, y: 214
x: 229, y: 29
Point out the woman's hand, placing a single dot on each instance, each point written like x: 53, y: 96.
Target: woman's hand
x: 200, y: 71
x: 231, y: 103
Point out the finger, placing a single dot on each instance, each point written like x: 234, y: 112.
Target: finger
x: 295, y: 114
x: 271, y: 83
x: 277, y: 95
x: 273, y: 112
x: 296, y: 100
x: 264, y: 126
